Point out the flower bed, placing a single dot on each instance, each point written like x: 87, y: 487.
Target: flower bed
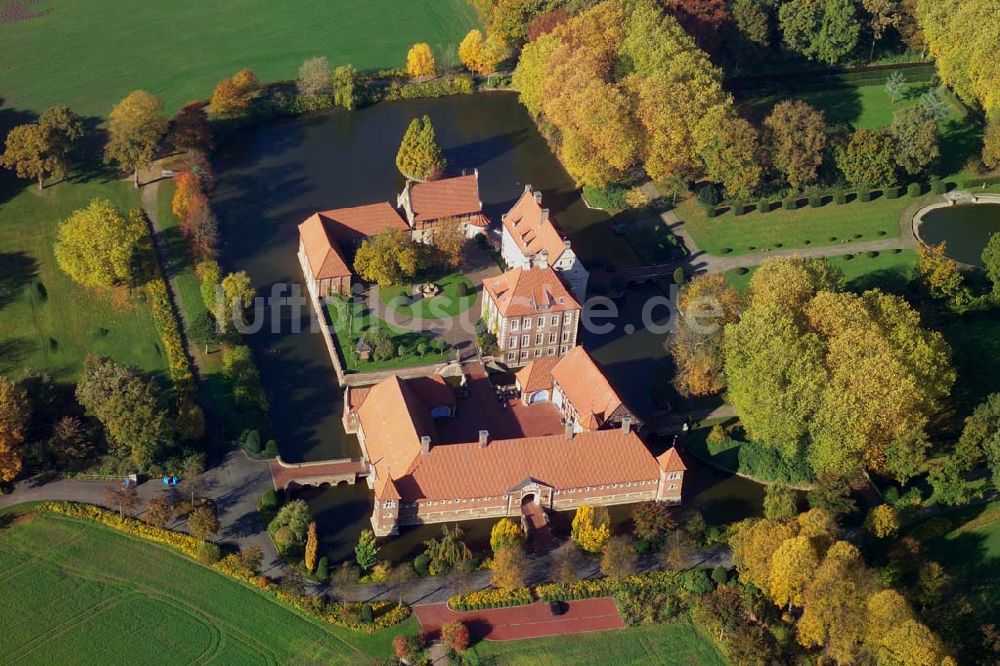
x: 490, y: 598
x: 385, y: 613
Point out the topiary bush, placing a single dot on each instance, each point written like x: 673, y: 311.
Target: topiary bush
x: 268, y: 501
x: 709, y: 195
x: 791, y: 203
x: 710, y: 211
x: 323, y: 568
x: 892, y: 192
x: 815, y: 201
x: 251, y: 441
x: 839, y: 197
x: 271, y: 449
x: 938, y: 186
x: 679, y: 275
x: 367, y: 614
x: 864, y: 195
x: 421, y: 563
x: 462, y: 289
x: 763, y: 206
x: 720, y: 575
x: 914, y: 190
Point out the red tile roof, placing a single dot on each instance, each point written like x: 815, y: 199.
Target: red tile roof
x: 586, y: 386
x: 468, y: 470
x: 322, y: 255
x: 529, y: 291
x: 532, y: 229
x: 537, y: 375
x: 447, y: 197
x: 670, y: 461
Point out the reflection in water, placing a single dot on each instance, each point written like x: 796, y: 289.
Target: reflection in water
x: 966, y: 228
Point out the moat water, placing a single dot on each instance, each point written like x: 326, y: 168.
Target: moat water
x: 271, y: 177
x: 965, y: 228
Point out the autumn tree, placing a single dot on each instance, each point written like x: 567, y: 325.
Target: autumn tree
x: 618, y: 558
x: 65, y: 128
x: 882, y: 15
x: 507, y: 568
x: 237, y: 294
x: 188, y: 195
x: 732, y: 157
x: 591, y: 528
x: 447, y: 552
x: 825, y: 30
x: 705, y: 305
x: 201, y: 230
x: 232, y: 97
x: 753, y: 19
x: 780, y: 502
x: 916, y: 135
x: 882, y: 521
x: 71, y: 443
x: 366, y: 551
x: 546, y: 22
x: 203, y: 523
x: 652, y: 520
x: 991, y: 142
x: 29, y: 152
x: 793, y: 565
x: 896, y: 636
x: 131, y: 408
x: 135, y: 127
x: 505, y: 534
x: 160, y: 511
x: 97, y: 245
x: 420, y: 60
x: 312, y: 547
x: 963, y: 46
x: 702, y: 19
x: 124, y: 498
x: 14, y: 416
x: 797, y: 138
x: 832, y: 493
x: 869, y: 158
x: 481, y: 54
x: 509, y: 19
x: 419, y: 156
x: 449, y: 242
x: 754, y: 543
x: 314, y: 77
x: 190, y: 129
x: 456, y: 636
x: 940, y: 273
x: 390, y: 257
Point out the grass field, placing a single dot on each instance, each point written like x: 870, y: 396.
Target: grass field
x: 446, y: 304
x: 76, y: 592
x: 671, y: 644
x: 47, y: 321
x: 91, y: 53
x: 348, y: 330
x: 888, y: 271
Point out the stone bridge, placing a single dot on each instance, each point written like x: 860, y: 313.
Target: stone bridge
x: 333, y: 472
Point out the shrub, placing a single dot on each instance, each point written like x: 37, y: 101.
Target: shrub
x: 421, y: 563
x: 720, y: 575
x: 710, y: 211
x: 271, y: 449
x: 839, y: 197
x: 892, y: 192
x: 170, y: 334
x: 208, y: 553
x: 611, y: 198
x: 871, y: 254
x: 323, y: 568
x: 791, y: 203
x: 268, y: 501
x: 367, y: 614
x: 679, y: 275
x: 864, y: 195
x: 250, y: 439
x: 462, y: 289
x: 490, y: 597
x: 938, y: 186
x: 914, y: 190
x: 815, y: 201
x: 709, y: 195
x: 763, y: 206
x: 456, y: 636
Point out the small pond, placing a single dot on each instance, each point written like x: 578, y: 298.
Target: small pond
x: 965, y: 228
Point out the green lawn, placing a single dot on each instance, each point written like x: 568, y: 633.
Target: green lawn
x: 73, y: 591
x: 348, y: 330
x: 90, y: 53
x: 665, y: 644
x: 889, y: 271
x: 862, y: 106
x: 47, y: 321
x: 445, y: 305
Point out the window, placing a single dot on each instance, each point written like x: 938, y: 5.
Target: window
x: 555, y: 320
x: 389, y: 504
x: 524, y: 353
x: 527, y: 323
x: 565, y: 336
x: 513, y: 324
x: 552, y: 337
x: 552, y: 351
x: 539, y: 338
x: 511, y: 356
x: 568, y: 319
x: 562, y: 350
x: 538, y: 353
x: 513, y: 341
x: 525, y: 340
x: 541, y: 322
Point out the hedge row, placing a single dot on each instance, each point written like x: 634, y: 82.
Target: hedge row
x: 608, y: 587
x: 386, y: 613
x: 170, y: 333
x: 490, y: 598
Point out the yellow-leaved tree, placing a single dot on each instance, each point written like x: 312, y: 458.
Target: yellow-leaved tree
x: 591, y: 528
x: 420, y: 60
x: 792, y: 566
x: 96, y: 245
x: 312, y: 547
x: 505, y: 534
x: 14, y: 413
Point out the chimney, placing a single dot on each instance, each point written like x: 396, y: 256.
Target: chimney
x: 568, y: 432
x: 425, y: 444
x: 538, y: 198
x: 566, y: 244
x: 545, y: 213
x: 626, y: 425
x: 484, y: 438
x: 542, y: 259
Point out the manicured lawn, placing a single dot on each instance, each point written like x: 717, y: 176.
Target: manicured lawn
x: 181, y: 50
x: 446, y: 304
x: 790, y: 229
x: 676, y: 643
x: 862, y: 106
x: 47, y: 321
x: 72, y: 591
x: 889, y: 271
x: 348, y: 329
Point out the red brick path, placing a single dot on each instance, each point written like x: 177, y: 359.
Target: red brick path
x: 534, y: 621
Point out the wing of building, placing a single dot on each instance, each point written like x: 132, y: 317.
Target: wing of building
x: 435, y: 202
x: 441, y: 451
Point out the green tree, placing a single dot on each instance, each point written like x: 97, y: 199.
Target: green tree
x: 135, y: 127
x: 314, y: 77
x: 618, y: 558
x: 733, y: 157
x: 29, y: 151
x: 238, y: 294
x: 65, y: 128
x: 419, y: 155
x: 780, y: 502
x: 448, y: 552
x: 991, y: 262
x: 895, y: 85
x: 980, y: 439
x: 797, y: 138
x: 345, y: 87
x: 832, y: 493
x: 390, y: 257
x: 991, y: 142
x: 869, y: 158
x: 131, y: 408
x: 366, y: 552
x: 916, y: 135
x: 824, y: 30
x: 753, y: 19
x: 238, y: 367
x: 295, y: 518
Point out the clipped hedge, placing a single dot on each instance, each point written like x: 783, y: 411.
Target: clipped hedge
x: 385, y: 613
x: 170, y: 333
x: 491, y: 597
